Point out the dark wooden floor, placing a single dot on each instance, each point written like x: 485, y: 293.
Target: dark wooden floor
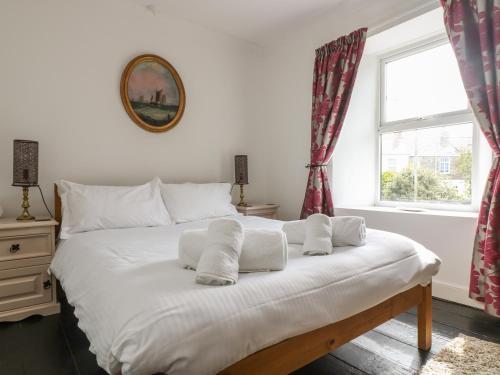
x: 55, y: 345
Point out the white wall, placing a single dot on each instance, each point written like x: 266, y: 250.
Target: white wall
x: 60, y: 73
x: 354, y: 162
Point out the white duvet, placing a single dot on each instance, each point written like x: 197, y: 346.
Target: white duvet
x: 143, y: 313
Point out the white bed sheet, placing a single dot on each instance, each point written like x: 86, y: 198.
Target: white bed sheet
x: 143, y: 313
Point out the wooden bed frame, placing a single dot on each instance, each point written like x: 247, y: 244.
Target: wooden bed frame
x: 296, y: 352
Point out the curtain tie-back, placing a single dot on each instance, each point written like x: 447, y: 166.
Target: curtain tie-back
x: 316, y: 165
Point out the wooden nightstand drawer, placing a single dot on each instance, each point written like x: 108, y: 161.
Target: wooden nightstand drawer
x: 24, y: 287
x: 26, y: 249
x: 26, y: 246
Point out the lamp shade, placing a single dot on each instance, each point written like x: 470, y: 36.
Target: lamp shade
x: 241, y: 169
x: 25, y: 169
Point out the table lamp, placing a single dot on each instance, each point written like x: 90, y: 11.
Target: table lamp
x: 25, y: 171
x: 241, y: 175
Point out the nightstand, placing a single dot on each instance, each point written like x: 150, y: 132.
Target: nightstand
x: 26, y: 288
x: 269, y: 210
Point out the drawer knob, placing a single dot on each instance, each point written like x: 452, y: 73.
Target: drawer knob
x: 47, y: 284
x: 14, y: 248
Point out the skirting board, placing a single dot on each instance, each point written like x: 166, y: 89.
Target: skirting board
x: 455, y: 293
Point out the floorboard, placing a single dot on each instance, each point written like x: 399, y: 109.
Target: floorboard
x: 328, y: 365
x: 407, y: 333
x: 55, y: 345
x: 56, y: 358
x: 11, y: 349
x: 467, y: 320
x: 363, y: 359
x: 405, y: 355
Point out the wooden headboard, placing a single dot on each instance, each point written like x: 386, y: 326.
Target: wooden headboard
x: 57, y: 209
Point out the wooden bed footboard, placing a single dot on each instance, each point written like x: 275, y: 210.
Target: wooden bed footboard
x: 298, y: 351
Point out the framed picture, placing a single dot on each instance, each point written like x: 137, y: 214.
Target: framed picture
x: 152, y: 93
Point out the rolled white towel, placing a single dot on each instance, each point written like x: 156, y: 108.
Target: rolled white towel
x: 346, y: 231
x: 318, y: 239
x: 262, y: 249
x: 192, y: 243
x: 219, y: 263
x: 295, y: 231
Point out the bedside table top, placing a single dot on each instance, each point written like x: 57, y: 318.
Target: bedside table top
x: 256, y: 207
x: 12, y: 223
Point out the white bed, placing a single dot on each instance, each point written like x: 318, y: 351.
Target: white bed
x: 143, y: 313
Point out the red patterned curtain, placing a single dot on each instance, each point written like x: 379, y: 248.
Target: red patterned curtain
x: 473, y: 27
x: 335, y: 70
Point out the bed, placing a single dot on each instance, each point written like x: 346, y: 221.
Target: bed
x: 143, y: 313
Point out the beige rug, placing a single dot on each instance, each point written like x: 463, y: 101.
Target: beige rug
x: 465, y: 355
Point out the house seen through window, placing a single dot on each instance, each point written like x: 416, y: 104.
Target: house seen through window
x: 426, y: 129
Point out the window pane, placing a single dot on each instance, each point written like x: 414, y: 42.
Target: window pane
x: 431, y: 165
x: 423, y: 84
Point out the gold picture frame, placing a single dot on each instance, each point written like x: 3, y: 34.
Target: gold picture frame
x: 152, y: 93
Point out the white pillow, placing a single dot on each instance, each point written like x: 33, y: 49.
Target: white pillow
x: 189, y: 202
x: 87, y: 207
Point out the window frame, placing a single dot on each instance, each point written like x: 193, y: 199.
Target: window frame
x: 436, y: 120
x: 444, y: 161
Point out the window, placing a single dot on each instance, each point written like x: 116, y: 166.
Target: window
x: 423, y: 83
x: 444, y: 165
x: 426, y: 131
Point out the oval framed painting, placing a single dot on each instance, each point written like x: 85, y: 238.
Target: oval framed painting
x: 152, y: 93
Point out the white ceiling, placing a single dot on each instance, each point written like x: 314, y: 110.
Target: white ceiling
x: 251, y: 20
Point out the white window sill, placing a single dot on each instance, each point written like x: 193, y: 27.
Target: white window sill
x: 424, y: 212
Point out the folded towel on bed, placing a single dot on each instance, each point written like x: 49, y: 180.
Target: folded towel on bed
x: 219, y: 263
x: 346, y: 231
x: 262, y: 249
x: 318, y: 239
x: 295, y: 231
